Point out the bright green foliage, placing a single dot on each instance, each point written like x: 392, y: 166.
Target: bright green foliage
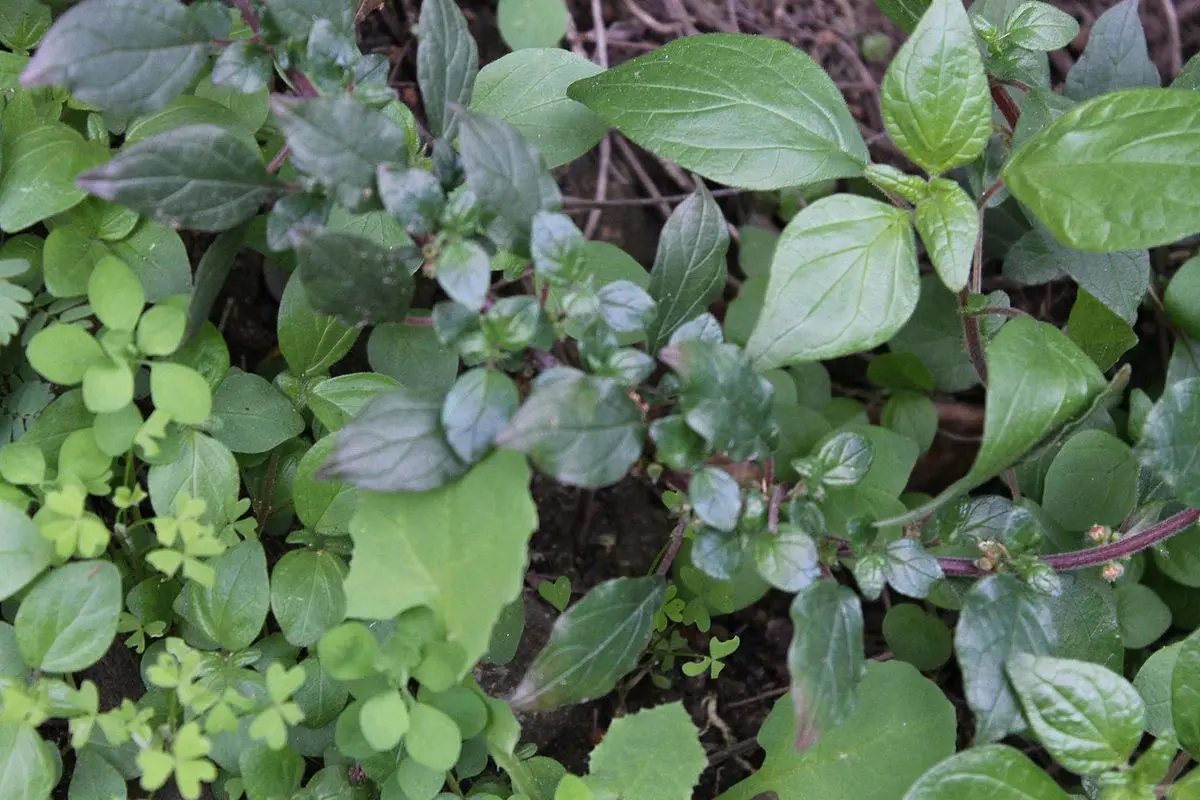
x: 69, y: 617
x: 626, y: 761
x: 996, y: 770
x: 531, y: 23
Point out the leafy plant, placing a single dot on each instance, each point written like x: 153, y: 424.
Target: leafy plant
x: 310, y: 557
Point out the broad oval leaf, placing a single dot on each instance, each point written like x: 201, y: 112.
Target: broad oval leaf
x: 580, y: 429
x: 1116, y: 56
x: 447, y: 61
x: 1089, y: 718
x: 233, y: 609
x: 69, y: 618
x: 250, y: 415
x: 788, y: 560
x: 23, y: 551
x: 903, y: 726
x: 1039, y: 26
x: 843, y: 280
x: 335, y: 401
x: 161, y: 48
x: 467, y: 573
x: 200, y: 176
x: 476, y: 409
x: 41, y: 163
x: 948, y: 222
x: 355, y: 279
x: 595, y: 643
x: 1165, y: 447
x: 999, y: 618
x: 936, y: 103
x: 825, y: 658
x: 28, y: 770
x: 205, y: 469
x: 995, y: 771
x: 324, y: 506
x: 395, y: 444
x: 629, y: 759
x: 1145, y: 140
x: 528, y: 90
x: 689, y: 265
x: 781, y: 120
x: 307, y: 598
x: 1092, y: 481
x: 310, y: 342
x: 1185, y: 694
x: 911, y: 569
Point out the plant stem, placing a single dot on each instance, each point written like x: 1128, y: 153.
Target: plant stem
x: 1092, y: 556
x: 1005, y: 103
x: 673, y: 548
x: 973, y: 336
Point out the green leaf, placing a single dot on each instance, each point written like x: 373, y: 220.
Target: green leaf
x: 189, y: 110
x: 902, y: 727
x: 250, y: 415
x: 232, y: 611
x: 414, y: 356
x: 310, y: 342
x: 788, y: 560
x: 936, y: 103
x: 69, y: 618
x: 905, y: 13
x: 1088, y: 718
x: 447, y: 61
x: 507, y: 175
x: 1185, y: 694
x: 28, y: 769
x: 1142, y: 614
x: 1179, y: 557
x: 335, y: 401
x: 1085, y: 621
x: 270, y: 774
x: 1163, y: 448
x: 912, y: 415
x: 1040, y: 26
x: 1145, y: 139
x: 413, y: 197
x: 23, y: 551
x: 532, y: 23
x: 844, y: 279
x: 917, y: 637
x: 1098, y: 331
x: 629, y: 759
x: 297, y: 17
x: 180, y: 392
x: 324, y: 506
x: 948, y: 222
x: 205, y: 469
x: 1115, y: 57
x: 433, y: 739
x: 825, y: 659
x: 320, y: 697
x: 355, y: 279
x: 528, y: 90
x: 485, y: 520
x: 580, y: 429
x: 464, y: 272
x: 41, y: 164
x: 911, y: 570
x: 999, y: 618
x: 162, y: 47
x: 934, y: 335
x: 339, y: 140
x: 995, y: 771
x: 1182, y: 297
x: 95, y: 779
x: 596, y: 642
x: 723, y: 399
x: 62, y: 353
x: 306, y: 595
x: 201, y: 176
x: 1092, y: 481
x: 243, y: 67
x: 782, y: 122
x: 116, y: 294
x: 476, y: 410
x: 158, y: 257
x: 22, y: 24
x: 383, y: 719
x: 716, y: 498
x: 689, y: 266
x: 1153, y: 683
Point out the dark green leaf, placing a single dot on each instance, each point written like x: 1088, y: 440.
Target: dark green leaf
x: 689, y: 267
x: 1092, y: 481
x: 528, y: 89
x: 1185, y: 694
x: 1144, y: 138
x: 508, y: 176
x: 1088, y: 718
x: 1040, y: 26
x: 936, y: 103
x: 232, y: 611
x: 250, y: 415
x: 447, y: 61
x: 338, y: 140
x: 918, y: 637
x: 1099, y: 332
x: 948, y: 222
x: 307, y: 597
x: 557, y: 246
x: 788, y: 559
x: 595, y: 643
x: 532, y: 23
x: 1142, y: 614
x: 310, y: 342
x: 28, y: 766
x: 825, y: 658
x: 1085, y: 621
x: 22, y: 24
x: 160, y: 51
x: 69, y: 618
x: 716, y: 498
x: 95, y: 779
x: 395, y: 444
x: 912, y: 415
x: 1115, y: 57
x: 270, y: 774
x: 995, y: 771
x: 355, y: 279
x: 476, y: 409
x: 296, y: 17
x: 1179, y: 557
x: 911, y: 570
x: 1165, y: 447
x: 245, y: 67
x: 626, y: 307
x: 464, y: 271
x: 905, y: 13
x: 781, y: 120
x: 843, y: 460
x: 23, y: 550
x: 723, y: 399
x: 413, y: 196
x: 1153, y: 683
x: 200, y: 176
x: 40, y: 167
x: 413, y: 356
x: 579, y: 429
x: 844, y: 279
x: 999, y: 618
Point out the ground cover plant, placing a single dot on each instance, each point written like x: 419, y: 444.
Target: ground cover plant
x: 310, y: 563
